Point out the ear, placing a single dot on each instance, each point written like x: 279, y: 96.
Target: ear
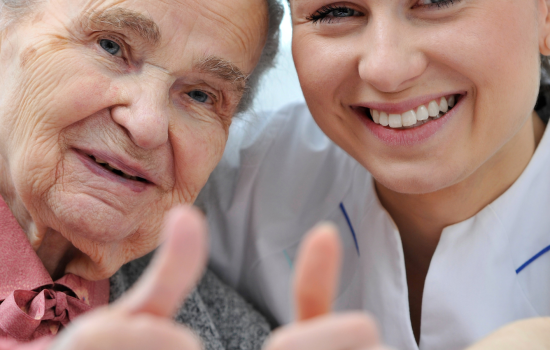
x: 544, y: 26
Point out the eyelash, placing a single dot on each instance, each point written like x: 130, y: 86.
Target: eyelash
x: 322, y: 14
x: 443, y: 3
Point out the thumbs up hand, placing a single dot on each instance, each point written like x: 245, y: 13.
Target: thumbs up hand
x: 533, y: 334
x: 315, y: 287
x: 142, y: 318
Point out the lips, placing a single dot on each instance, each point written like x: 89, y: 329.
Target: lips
x: 413, y: 121
x: 414, y: 117
x: 116, y: 169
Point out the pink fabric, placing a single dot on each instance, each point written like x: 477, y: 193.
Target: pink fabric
x: 32, y: 305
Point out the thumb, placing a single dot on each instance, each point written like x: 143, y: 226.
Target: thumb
x: 317, y: 272
x: 175, y: 269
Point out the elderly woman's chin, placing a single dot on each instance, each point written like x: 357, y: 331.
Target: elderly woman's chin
x: 99, y: 218
x: 105, y: 235
x: 100, y: 210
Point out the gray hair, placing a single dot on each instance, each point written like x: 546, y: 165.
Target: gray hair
x: 267, y: 59
x: 14, y: 9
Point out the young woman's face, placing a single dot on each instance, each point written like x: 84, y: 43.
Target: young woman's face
x: 393, y: 61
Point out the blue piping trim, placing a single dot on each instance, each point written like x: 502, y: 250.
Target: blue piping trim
x: 288, y: 259
x: 530, y: 261
x: 350, y: 227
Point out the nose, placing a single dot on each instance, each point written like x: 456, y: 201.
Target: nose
x: 145, y: 115
x: 390, y: 59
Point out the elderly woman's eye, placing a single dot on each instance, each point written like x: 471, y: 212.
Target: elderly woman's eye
x: 199, y: 96
x: 111, y: 47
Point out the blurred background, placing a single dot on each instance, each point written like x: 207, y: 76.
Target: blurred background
x: 280, y: 85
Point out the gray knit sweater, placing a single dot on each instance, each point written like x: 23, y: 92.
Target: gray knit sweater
x: 214, y: 311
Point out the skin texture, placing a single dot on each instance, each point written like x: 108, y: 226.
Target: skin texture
x: 64, y: 97
x: 391, y: 51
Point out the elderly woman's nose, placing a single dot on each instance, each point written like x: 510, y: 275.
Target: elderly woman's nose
x: 146, y: 115
x: 389, y: 60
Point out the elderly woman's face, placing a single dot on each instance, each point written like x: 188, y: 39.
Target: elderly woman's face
x: 112, y: 111
x: 361, y: 60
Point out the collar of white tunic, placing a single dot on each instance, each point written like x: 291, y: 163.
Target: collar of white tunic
x: 487, y: 271
x: 281, y: 175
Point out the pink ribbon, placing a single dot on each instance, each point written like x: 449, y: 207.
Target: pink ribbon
x: 27, y: 315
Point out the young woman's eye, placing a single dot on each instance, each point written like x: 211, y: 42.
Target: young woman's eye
x: 200, y: 96
x: 111, y: 47
x: 332, y: 12
x: 436, y: 3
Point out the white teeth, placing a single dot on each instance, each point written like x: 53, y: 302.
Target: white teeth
x: 376, y: 116
x: 452, y: 101
x: 395, y: 121
x: 422, y: 113
x: 409, y: 118
x: 414, y: 118
x: 384, y: 120
x: 433, y: 109
x: 443, y: 105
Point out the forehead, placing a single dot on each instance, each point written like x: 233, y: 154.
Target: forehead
x: 234, y: 30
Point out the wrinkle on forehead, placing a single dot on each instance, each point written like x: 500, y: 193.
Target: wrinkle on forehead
x: 248, y: 24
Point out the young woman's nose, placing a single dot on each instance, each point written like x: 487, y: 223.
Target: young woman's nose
x: 389, y: 59
x: 145, y: 116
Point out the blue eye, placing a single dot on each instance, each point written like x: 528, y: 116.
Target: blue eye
x: 343, y: 12
x: 199, y: 96
x: 333, y: 12
x: 111, y: 47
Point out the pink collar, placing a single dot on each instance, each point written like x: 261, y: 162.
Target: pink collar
x: 22, y: 272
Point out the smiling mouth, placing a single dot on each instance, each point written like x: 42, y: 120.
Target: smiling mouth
x: 415, y: 117
x: 105, y: 165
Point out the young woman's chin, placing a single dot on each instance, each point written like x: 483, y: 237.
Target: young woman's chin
x: 417, y: 178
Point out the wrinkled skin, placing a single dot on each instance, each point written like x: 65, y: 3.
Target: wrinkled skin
x: 64, y: 96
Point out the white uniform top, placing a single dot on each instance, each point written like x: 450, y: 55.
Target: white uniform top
x: 281, y: 175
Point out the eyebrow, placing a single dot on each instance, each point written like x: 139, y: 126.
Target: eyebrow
x: 124, y: 19
x: 224, y: 70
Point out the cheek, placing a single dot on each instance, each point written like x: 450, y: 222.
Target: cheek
x: 327, y: 70
x: 198, y: 147
x: 504, y: 68
x: 55, y: 89
x: 497, y: 50
x: 320, y: 64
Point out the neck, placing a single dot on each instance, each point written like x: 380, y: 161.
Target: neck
x: 52, y: 248
x: 421, y: 218
x: 56, y: 252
